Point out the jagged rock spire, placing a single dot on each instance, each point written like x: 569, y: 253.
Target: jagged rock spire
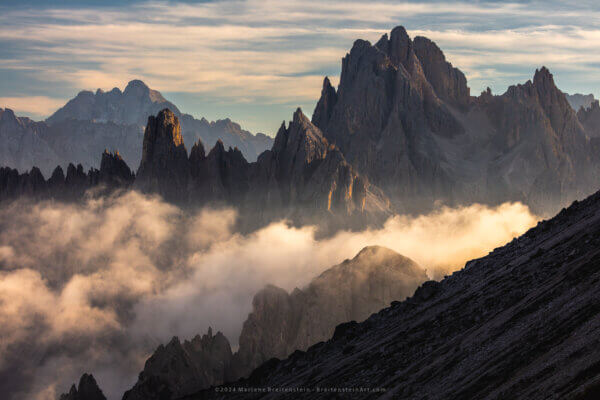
x: 88, y: 390
x: 164, y: 168
x: 325, y: 106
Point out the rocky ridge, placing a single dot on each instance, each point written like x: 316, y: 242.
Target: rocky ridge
x: 522, y: 322
x: 302, y: 177
x: 403, y: 116
x: 91, y: 122
x: 281, y: 323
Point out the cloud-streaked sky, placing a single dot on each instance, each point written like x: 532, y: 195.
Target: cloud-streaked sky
x: 256, y: 61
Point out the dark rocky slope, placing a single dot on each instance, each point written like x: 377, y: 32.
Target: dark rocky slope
x: 522, y: 322
x: 403, y: 117
x: 92, y: 122
x: 281, y: 323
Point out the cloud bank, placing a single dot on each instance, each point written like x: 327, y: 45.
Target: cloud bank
x: 97, y: 286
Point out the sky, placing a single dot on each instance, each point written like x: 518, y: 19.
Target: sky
x: 257, y: 61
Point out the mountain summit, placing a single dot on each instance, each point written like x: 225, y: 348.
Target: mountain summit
x: 115, y: 120
x: 403, y: 116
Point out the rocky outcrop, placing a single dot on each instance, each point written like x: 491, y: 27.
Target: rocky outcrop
x: 179, y: 368
x: 302, y: 177
x: 281, y: 323
x: 404, y: 118
x: 219, y: 177
x: 579, y: 100
x: 88, y: 390
x: 522, y: 322
x: 114, y: 174
x: 114, y: 171
x: 541, y: 152
x: 448, y: 82
x: 306, y: 176
x: 590, y: 119
x: 164, y: 168
x: 324, y: 107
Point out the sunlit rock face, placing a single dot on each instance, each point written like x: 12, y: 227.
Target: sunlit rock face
x: 304, y: 171
x: 403, y: 116
x: 164, y: 168
x: 281, y: 323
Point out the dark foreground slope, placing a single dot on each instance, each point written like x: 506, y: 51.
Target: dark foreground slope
x: 522, y: 322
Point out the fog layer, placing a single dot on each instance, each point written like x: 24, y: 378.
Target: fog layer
x: 95, y: 287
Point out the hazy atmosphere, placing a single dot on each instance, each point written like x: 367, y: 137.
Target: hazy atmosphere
x: 115, y: 278
x: 248, y: 199
x: 256, y: 61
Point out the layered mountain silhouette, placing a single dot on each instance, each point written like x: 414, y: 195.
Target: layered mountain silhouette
x: 522, y: 322
x: 281, y: 323
x: 401, y: 132
x: 404, y: 117
x: 115, y: 120
x: 302, y: 177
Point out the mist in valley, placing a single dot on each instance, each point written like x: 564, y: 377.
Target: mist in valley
x: 96, y: 286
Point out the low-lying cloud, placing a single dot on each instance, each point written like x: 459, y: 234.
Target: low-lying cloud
x: 94, y: 287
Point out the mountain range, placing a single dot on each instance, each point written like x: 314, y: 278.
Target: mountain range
x: 400, y: 134
x: 302, y: 177
x: 522, y: 322
x: 279, y: 324
x: 402, y: 117
x: 92, y: 122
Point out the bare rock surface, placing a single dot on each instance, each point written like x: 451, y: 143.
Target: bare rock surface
x: 522, y: 322
x: 164, y: 168
x: 281, y: 323
x: 403, y: 117
x: 181, y: 368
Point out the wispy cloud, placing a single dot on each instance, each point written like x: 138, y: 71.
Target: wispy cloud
x: 276, y: 52
x: 36, y: 105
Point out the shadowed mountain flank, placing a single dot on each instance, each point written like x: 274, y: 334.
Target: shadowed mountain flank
x: 522, y: 322
x: 281, y: 323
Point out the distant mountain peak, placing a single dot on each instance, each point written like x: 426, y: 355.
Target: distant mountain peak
x: 543, y: 78
x: 88, y: 390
